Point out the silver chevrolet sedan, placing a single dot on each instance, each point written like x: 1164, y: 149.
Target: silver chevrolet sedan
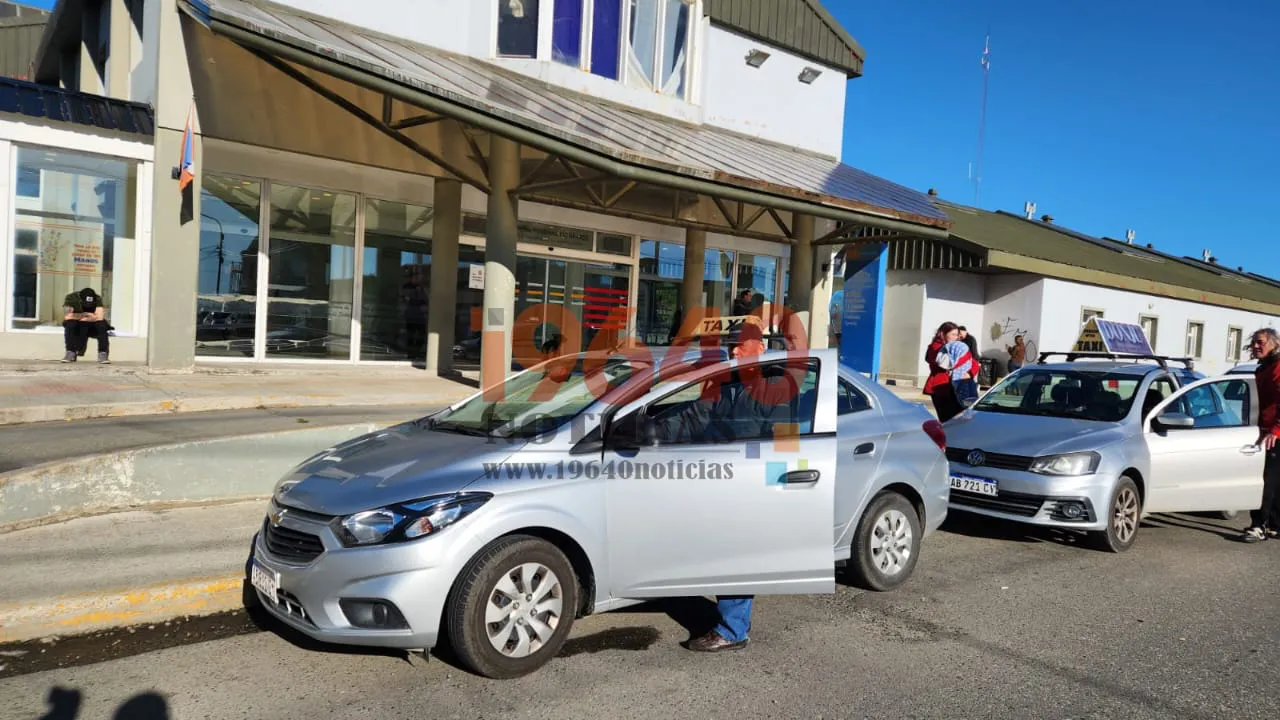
x: 593, y: 482
x: 1097, y: 445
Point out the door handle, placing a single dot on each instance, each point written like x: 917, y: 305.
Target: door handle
x: 1251, y: 449
x: 800, y: 477
x: 865, y: 449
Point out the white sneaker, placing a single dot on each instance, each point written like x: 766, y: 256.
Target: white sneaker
x: 102, y: 359
x: 69, y: 357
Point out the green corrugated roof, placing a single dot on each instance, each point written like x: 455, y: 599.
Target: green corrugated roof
x: 1018, y: 236
x: 801, y: 26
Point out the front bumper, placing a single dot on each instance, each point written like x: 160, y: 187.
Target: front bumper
x: 412, y: 578
x: 1034, y: 499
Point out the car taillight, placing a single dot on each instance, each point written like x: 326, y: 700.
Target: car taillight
x: 934, y: 430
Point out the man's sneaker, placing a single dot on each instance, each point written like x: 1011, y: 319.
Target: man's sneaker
x: 69, y: 357
x: 102, y: 359
x: 1272, y: 533
x: 1253, y: 535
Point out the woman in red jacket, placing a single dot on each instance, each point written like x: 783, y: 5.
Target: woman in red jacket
x: 938, y: 386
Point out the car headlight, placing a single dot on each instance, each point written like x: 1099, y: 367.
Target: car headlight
x: 1081, y: 463
x: 407, y: 521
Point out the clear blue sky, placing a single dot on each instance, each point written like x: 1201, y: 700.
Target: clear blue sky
x: 1163, y: 117
x: 46, y: 4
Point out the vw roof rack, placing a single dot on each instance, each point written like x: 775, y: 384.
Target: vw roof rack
x: 1162, y: 360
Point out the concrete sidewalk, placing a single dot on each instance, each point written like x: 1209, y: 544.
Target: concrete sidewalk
x: 41, y: 392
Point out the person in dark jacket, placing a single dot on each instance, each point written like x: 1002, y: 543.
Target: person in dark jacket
x: 85, y: 317
x: 1265, y: 348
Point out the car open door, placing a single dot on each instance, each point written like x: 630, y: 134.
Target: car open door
x: 726, y: 510
x: 1203, y: 448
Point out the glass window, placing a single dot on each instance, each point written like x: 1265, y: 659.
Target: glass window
x: 614, y: 244
x: 566, y: 32
x: 757, y: 275
x: 1087, y: 314
x: 1195, y: 339
x: 227, y: 279
x: 397, y: 281
x: 467, y: 324
x: 658, y: 45
x: 518, y: 28
x: 717, y: 281
x: 1080, y: 394
x: 1150, y: 326
x: 606, y: 37
x: 850, y: 399
x: 732, y: 406
x: 74, y: 216
x: 312, y: 276
x: 670, y: 260
x: 1235, y: 340
x: 1218, y: 404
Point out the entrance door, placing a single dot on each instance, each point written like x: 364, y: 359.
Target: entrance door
x: 720, y: 504
x: 1212, y: 463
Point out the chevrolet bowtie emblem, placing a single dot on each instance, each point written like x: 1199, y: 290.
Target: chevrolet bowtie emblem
x: 277, y: 516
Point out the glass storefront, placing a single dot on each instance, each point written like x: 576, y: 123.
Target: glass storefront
x: 396, y: 281
x: 311, y: 280
x: 74, y: 230
x: 227, y: 285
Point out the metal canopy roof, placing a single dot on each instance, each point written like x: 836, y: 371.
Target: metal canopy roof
x: 628, y: 143
x: 51, y: 103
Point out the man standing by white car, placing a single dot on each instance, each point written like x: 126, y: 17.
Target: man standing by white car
x: 1265, y: 348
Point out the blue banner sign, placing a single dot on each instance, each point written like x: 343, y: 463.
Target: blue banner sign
x: 862, y: 306
x: 1124, y: 338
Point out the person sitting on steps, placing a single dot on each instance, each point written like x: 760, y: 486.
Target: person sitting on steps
x: 85, y: 315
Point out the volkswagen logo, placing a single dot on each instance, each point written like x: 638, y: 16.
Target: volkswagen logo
x: 277, y: 516
x: 976, y: 458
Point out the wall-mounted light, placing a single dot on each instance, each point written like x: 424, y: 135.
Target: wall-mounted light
x: 756, y: 58
x: 808, y: 75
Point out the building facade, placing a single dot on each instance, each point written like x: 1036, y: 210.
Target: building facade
x: 1002, y: 275
x: 446, y: 183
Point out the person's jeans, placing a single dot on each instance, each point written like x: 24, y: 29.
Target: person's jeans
x: 1268, y: 513
x: 735, y: 617
x: 76, y: 333
x: 966, y: 391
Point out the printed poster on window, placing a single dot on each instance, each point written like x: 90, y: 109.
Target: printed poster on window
x: 476, y: 280
x: 86, y: 257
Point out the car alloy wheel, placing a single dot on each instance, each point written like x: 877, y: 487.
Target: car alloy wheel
x: 524, y: 610
x: 886, y: 544
x: 1124, y: 514
x: 891, y: 542
x: 512, y: 607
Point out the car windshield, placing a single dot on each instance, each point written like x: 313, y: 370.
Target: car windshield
x: 541, y: 399
x: 1080, y: 394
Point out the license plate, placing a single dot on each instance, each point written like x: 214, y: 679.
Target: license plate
x: 969, y: 483
x: 266, y: 581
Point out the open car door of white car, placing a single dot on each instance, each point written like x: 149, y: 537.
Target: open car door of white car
x: 1204, y: 452
x: 733, y: 498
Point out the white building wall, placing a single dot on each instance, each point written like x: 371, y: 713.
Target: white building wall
x: 1065, y: 301
x: 945, y: 296
x: 1014, y: 306
x: 766, y: 101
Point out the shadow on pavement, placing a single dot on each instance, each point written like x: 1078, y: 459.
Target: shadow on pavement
x: 64, y: 704
x: 959, y: 522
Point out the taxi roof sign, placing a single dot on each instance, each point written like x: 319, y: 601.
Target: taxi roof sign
x: 726, y: 325
x: 1108, y: 336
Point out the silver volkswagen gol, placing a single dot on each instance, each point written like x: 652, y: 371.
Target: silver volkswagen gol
x: 1096, y: 445
x: 593, y: 482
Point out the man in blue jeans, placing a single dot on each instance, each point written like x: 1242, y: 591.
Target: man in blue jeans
x: 735, y: 610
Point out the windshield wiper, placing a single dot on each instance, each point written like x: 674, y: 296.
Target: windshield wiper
x: 458, y: 428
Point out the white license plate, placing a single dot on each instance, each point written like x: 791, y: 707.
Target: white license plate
x: 266, y: 581
x: 969, y: 483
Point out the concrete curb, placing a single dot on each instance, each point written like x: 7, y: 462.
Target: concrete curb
x: 48, y: 413
x: 219, y: 469
x: 80, y: 614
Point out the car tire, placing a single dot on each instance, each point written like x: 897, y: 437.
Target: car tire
x: 875, y: 565
x: 1123, y: 515
x: 493, y: 602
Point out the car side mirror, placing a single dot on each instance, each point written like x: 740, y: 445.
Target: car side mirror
x: 1174, y: 420
x: 635, y: 431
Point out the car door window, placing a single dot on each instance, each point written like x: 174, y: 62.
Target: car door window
x: 773, y: 399
x: 1215, y: 405
x: 850, y: 399
x: 1159, y: 389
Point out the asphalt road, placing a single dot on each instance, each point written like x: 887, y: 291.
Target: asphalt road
x: 997, y: 623
x: 30, y: 444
